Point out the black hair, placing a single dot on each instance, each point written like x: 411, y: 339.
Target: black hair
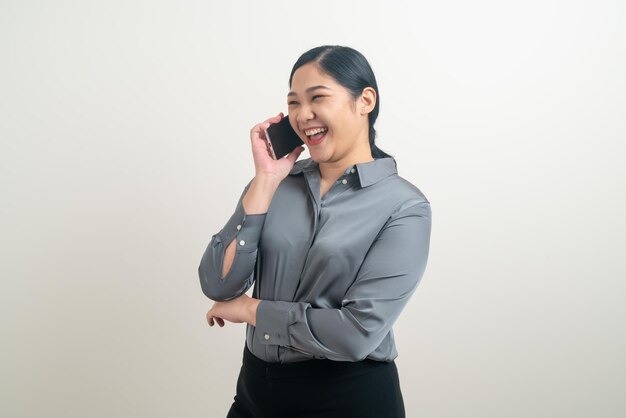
x: 349, y: 68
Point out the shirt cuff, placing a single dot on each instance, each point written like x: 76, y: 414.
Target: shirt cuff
x: 250, y: 232
x: 247, y: 229
x: 272, y: 322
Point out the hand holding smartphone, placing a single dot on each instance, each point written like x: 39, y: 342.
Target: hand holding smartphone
x: 282, y: 138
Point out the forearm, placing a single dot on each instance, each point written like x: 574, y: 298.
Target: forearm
x: 333, y: 333
x: 227, y: 265
x: 256, y: 201
x: 251, y: 311
x: 260, y: 194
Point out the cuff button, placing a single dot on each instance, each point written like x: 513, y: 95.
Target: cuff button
x: 242, y: 243
x: 267, y: 336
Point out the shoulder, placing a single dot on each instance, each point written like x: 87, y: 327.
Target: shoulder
x: 411, y: 200
x: 408, y: 199
x: 405, y: 189
x: 383, y: 173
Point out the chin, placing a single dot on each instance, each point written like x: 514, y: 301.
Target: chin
x: 320, y: 152
x: 319, y: 156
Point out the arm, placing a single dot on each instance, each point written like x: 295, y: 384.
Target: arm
x: 225, y: 275
x: 384, y: 284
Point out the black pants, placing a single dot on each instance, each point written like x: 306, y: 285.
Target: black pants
x: 317, y: 388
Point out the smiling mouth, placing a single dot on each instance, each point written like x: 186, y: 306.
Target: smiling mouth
x: 315, y: 136
x: 313, y: 131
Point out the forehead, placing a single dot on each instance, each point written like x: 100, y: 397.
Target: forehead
x: 308, y: 76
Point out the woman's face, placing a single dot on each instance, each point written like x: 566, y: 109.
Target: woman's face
x: 330, y: 107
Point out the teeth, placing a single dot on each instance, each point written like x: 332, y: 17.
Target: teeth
x: 315, y: 131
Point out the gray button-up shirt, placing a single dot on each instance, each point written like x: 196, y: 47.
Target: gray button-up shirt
x: 333, y: 273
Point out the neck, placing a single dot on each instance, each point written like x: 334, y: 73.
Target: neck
x: 331, y: 171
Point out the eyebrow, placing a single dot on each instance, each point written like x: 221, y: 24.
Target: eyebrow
x: 291, y: 93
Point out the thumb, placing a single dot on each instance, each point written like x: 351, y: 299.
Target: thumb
x: 293, y: 155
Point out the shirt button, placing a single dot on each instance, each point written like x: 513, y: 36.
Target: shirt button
x: 242, y: 243
x: 267, y: 336
x: 353, y: 171
x: 344, y: 181
x: 238, y: 227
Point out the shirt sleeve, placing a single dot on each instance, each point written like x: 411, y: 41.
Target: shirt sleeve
x: 247, y: 230
x: 387, y: 278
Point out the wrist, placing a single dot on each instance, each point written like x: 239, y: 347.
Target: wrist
x: 266, y: 181
x: 260, y: 194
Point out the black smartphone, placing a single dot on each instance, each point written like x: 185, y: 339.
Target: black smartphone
x: 282, y: 138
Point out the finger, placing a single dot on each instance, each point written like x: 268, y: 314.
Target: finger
x: 260, y: 127
x: 220, y: 322
x: 275, y: 119
x: 263, y: 133
x: 295, y: 153
x: 267, y: 122
x: 259, y: 130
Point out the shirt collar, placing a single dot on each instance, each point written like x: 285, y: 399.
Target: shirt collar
x: 369, y: 173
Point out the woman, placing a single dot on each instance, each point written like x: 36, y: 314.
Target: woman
x: 335, y: 246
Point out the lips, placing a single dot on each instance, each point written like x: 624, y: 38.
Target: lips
x: 320, y: 137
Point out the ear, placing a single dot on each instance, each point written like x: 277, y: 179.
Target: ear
x: 367, y: 101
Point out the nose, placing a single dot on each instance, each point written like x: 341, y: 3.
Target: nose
x: 305, y: 114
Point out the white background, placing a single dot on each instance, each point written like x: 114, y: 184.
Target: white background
x: 124, y: 129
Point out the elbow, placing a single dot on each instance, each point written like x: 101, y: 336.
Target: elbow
x: 362, y: 337
x: 360, y: 353
x: 355, y: 354
x: 212, y: 289
x: 207, y: 273
x: 237, y: 280
x: 208, y: 282
x: 212, y: 285
x: 216, y: 288
x: 358, y: 348
x: 211, y: 282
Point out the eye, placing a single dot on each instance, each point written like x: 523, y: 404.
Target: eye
x: 294, y: 102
